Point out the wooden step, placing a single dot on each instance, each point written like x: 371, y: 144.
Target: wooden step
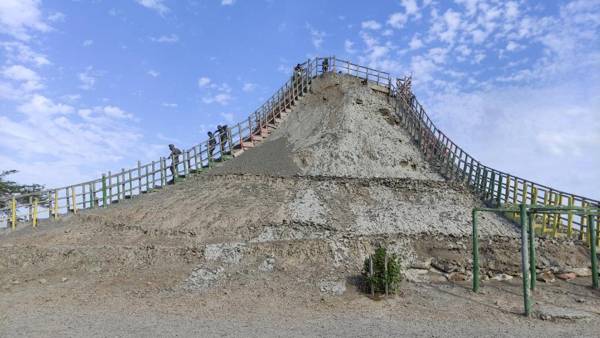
x: 237, y: 152
x: 248, y: 144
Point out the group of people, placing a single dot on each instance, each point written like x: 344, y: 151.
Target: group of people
x: 224, y: 135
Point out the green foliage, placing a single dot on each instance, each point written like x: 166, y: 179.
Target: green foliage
x: 9, y: 188
x: 380, y: 277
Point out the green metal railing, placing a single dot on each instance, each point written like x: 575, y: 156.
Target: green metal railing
x: 527, y: 213
x: 115, y: 186
x: 495, y: 187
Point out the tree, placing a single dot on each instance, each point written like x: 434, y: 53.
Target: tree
x: 9, y: 188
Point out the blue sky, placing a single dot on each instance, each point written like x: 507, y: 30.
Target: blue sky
x: 92, y: 86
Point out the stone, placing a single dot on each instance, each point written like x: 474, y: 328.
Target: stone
x: 359, y: 101
x: 458, y: 277
x: 550, y: 312
x: 43, y: 281
x: 64, y: 279
x: 416, y: 275
x: 582, y: 272
x: 425, y: 264
x: 567, y: 276
x: 332, y: 287
x: 546, y: 277
x: 502, y: 277
x: 267, y: 265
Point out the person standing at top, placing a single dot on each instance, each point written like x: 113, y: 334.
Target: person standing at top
x: 325, y: 65
x: 175, y: 153
x: 212, y: 143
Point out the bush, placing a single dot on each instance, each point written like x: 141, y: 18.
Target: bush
x: 380, y: 277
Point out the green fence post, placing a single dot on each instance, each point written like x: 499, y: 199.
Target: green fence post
x: 592, y: 235
x: 475, y: 253
x: 499, y: 195
x: 525, y: 259
x: 532, y: 262
x: 104, y: 190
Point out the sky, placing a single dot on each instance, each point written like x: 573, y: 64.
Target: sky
x: 91, y: 86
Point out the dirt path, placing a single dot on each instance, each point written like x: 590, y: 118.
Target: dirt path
x: 422, y: 310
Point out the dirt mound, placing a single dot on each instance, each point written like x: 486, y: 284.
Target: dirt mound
x: 341, y: 128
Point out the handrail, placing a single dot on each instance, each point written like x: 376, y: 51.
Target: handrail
x: 493, y: 186
x: 496, y: 188
x: 114, y: 186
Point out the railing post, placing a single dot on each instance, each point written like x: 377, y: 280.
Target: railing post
x: 35, y: 212
x: 532, y: 262
x: 139, y: 174
x: 475, y: 252
x: 525, y: 259
x: 13, y: 212
x: 55, y: 204
x: 593, y: 254
x: 74, y: 199
x: 104, y: 197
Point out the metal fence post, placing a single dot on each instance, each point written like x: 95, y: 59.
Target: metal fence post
x: 104, y: 197
x: 13, y: 211
x: 532, y: 262
x: 525, y: 259
x: 475, y: 253
x: 35, y: 212
x: 593, y: 243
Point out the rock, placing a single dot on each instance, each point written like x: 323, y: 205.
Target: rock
x: 444, y: 266
x: 15, y: 282
x: 202, y: 278
x: 416, y: 275
x: 458, y: 277
x: 550, y: 312
x: 502, y: 277
x: 359, y: 101
x: 546, y: 277
x: 332, y: 287
x: 267, y: 265
x: 582, y: 272
x: 43, y: 281
x: 64, y: 279
x: 567, y: 276
x: 426, y: 264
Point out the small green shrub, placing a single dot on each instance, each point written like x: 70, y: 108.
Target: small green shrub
x: 380, y: 277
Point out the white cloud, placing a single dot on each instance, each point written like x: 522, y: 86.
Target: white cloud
x: 227, y: 2
x: 316, y: 37
x: 171, y: 38
x: 41, y: 106
x: 170, y: 105
x: 19, y: 18
x: 19, y: 52
x: 28, y: 79
x: 397, y: 20
x: 349, y: 47
x: 56, y: 17
x: 87, y: 78
x: 220, y: 98
x: 155, y: 5
x: 249, y: 87
x: 371, y: 24
x: 116, y: 112
x: 153, y: 73
x: 203, y: 82
x: 87, y: 43
x: 415, y: 42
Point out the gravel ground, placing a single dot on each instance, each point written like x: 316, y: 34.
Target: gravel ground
x: 422, y: 310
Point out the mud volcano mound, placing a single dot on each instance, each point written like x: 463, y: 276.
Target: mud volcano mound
x: 296, y: 215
